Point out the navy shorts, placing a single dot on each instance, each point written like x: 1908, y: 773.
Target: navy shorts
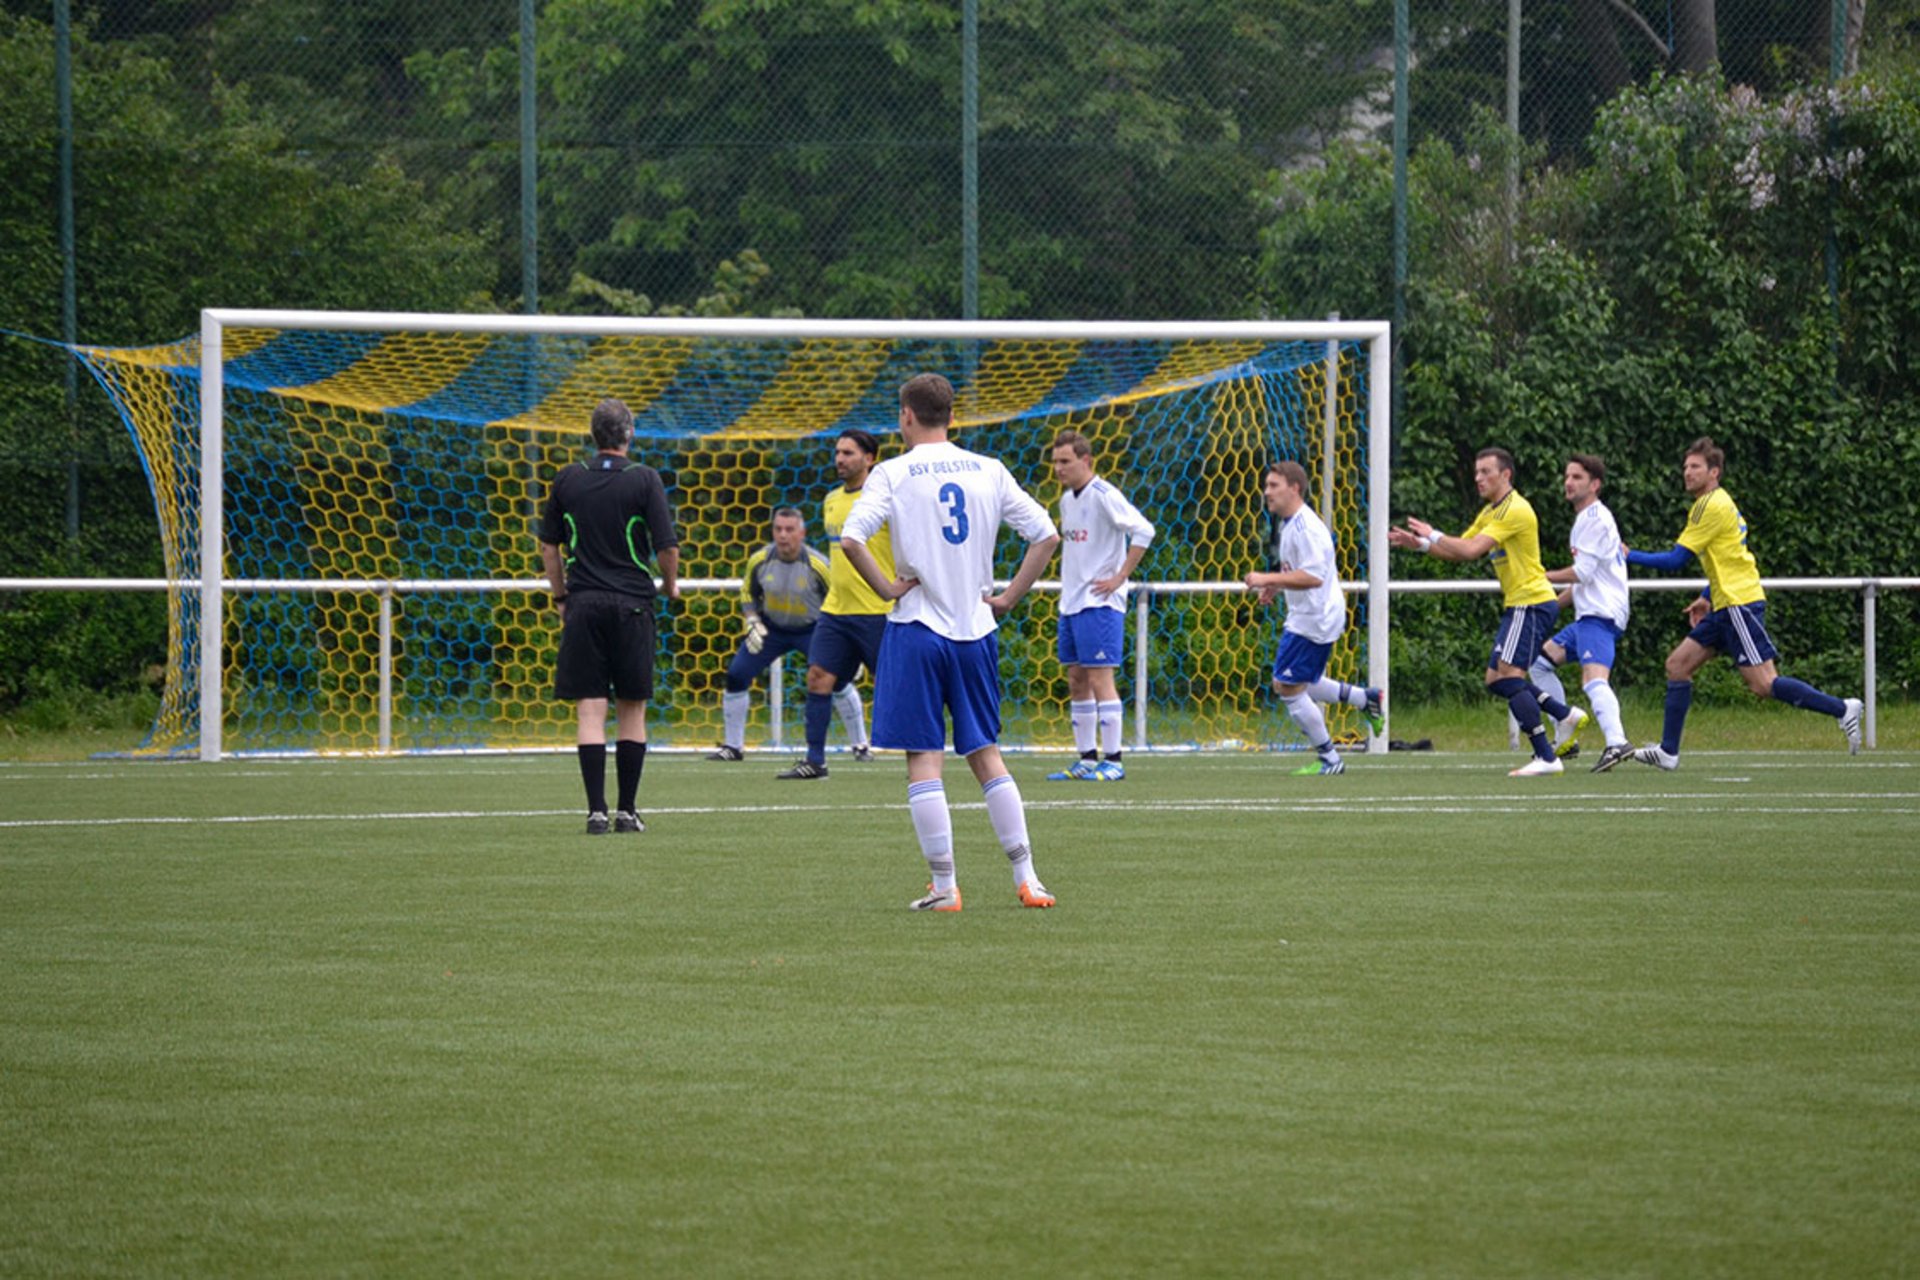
x: 746, y: 667
x: 923, y: 678
x: 605, y: 642
x: 1589, y: 640
x: 1093, y: 638
x: 844, y: 642
x: 1739, y: 631
x: 1523, y: 629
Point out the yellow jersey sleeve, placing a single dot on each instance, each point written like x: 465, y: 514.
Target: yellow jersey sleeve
x: 1717, y: 534
x: 847, y: 591
x: 1515, y: 531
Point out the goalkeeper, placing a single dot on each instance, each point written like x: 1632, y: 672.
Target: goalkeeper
x: 780, y: 597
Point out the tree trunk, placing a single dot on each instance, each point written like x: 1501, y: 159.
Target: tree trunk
x: 1696, y: 43
x: 1822, y: 39
x: 1594, y: 29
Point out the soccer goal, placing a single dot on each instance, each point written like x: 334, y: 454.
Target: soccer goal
x: 347, y: 505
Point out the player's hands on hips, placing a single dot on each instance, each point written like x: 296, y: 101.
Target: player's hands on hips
x: 899, y: 587
x: 1107, y: 586
x: 756, y: 636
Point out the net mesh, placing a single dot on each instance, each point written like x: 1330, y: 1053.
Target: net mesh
x: 424, y: 457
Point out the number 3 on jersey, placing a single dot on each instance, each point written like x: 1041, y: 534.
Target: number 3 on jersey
x: 955, y: 498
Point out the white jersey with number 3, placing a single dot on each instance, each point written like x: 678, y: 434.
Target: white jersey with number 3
x: 943, y: 507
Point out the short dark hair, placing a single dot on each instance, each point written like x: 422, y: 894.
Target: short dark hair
x: 612, y: 424
x: 865, y: 441
x: 929, y: 397
x: 1591, y: 464
x: 789, y: 513
x: 1705, y: 449
x: 1290, y: 471
x: 1499, y: 455
x: 1071, y: 439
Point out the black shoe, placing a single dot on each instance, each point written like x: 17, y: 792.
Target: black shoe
x: 597, y: 824
x: 805, y: 769
x: 1611, y: 757
x: 732, y: 755
x: 628, y: 823
x: 863, y: 754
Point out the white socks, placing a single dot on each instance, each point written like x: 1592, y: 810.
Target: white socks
x: 733, y: 717
x: 1086, y: 723
x: 1337, y: 692
x: 853, y: 714
x: 1606, y: 709
x: 1306, y: 713
x: 1110, y: 722
x: 1547, y: 680
x: 933, y: 824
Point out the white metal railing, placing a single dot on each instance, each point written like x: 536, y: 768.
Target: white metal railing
x: 1869, y: 589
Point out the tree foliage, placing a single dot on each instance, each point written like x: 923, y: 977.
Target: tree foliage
x: 1674, y: 287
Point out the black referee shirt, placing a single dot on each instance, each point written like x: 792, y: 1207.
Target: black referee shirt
x: 610, y: 517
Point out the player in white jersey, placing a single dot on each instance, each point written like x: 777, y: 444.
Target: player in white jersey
x: 1597, y: 583
x: 942, y: 508
x: 1309, y: 578
x: 1102, y: 540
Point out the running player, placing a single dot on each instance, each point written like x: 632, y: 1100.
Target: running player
x: 944, y: 507
x: 1597, y: 582
x: 1507, y: 530
x: 1730, y: 617
x: 1316, y: 615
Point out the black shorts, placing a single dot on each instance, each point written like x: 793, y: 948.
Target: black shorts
x: 607, y: 641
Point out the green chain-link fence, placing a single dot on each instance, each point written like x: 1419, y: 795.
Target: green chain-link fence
x: 1161, y: 159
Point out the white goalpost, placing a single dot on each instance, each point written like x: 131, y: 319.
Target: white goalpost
x: 358, y: 359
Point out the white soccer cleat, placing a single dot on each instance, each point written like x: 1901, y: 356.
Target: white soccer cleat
x: 1566, y: 734
x: 1850, y: 724
x: 937, y: 900
x: 1537, y: 768
x: 1656, y: 755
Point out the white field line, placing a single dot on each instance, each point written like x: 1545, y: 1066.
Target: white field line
x: 1691, y: 802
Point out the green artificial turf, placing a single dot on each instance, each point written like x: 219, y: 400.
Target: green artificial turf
x: 400, y: 1017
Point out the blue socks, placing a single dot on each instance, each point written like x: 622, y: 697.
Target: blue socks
x: 1526, y: 711
x: 1679, y: 699
x: 1798, y: 693
x: 819, y: 716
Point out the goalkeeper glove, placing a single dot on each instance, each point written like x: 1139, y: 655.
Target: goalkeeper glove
x: 756, y: 634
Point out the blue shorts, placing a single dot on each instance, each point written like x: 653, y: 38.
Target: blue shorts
x: 1589, y: 640
x: 844, y: 642
x: 923, y: 677
x: 1093, y: 638
x: 1300, y: 660
x: 746, y: 667
x: 1523, y: 629
x: 1739, y: 631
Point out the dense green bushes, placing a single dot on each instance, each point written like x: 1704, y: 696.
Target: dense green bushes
x: 1674, y: 285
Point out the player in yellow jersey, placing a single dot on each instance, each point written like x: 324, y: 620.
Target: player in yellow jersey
x: 1506, y: 530
x: 852, y: 621
x: 1730, y: 617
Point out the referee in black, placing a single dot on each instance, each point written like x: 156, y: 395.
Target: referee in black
x: 605, y: 519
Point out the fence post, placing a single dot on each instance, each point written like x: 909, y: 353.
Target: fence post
x: 386, y: 667
x: 1140, y: 598
x: 1870, y: 691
